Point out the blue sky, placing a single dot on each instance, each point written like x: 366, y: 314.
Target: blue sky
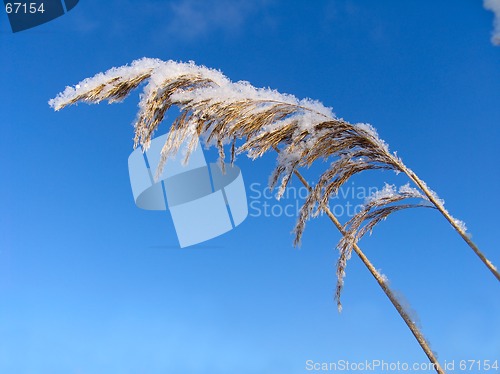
x: 90, y: 284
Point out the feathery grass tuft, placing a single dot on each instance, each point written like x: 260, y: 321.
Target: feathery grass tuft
x: 303, y: 131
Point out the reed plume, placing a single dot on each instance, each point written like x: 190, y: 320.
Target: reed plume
x: 220, y: 111
x: 302, y: 131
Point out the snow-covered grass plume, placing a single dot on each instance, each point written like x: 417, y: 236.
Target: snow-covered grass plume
x: 254, y: 121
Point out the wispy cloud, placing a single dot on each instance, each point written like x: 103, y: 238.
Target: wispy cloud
x: 193, y: 18
x: 494, y: 6
x: 183, y: 20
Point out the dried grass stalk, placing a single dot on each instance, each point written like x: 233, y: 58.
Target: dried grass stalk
x: 303, y: 131
x: 376, y: 209
x: 384, y: 285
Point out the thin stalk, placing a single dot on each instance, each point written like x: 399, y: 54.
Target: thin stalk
x: 450, y: 219
x: 385, y: 287
x: 440, y: 207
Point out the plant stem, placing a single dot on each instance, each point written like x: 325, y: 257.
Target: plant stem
x: 438, y: 204
x: 385, y: 287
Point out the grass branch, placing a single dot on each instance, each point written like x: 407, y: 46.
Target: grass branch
x: 385, y: 287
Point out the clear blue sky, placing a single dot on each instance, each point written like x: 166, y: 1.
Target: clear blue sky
x: 90, y: 284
